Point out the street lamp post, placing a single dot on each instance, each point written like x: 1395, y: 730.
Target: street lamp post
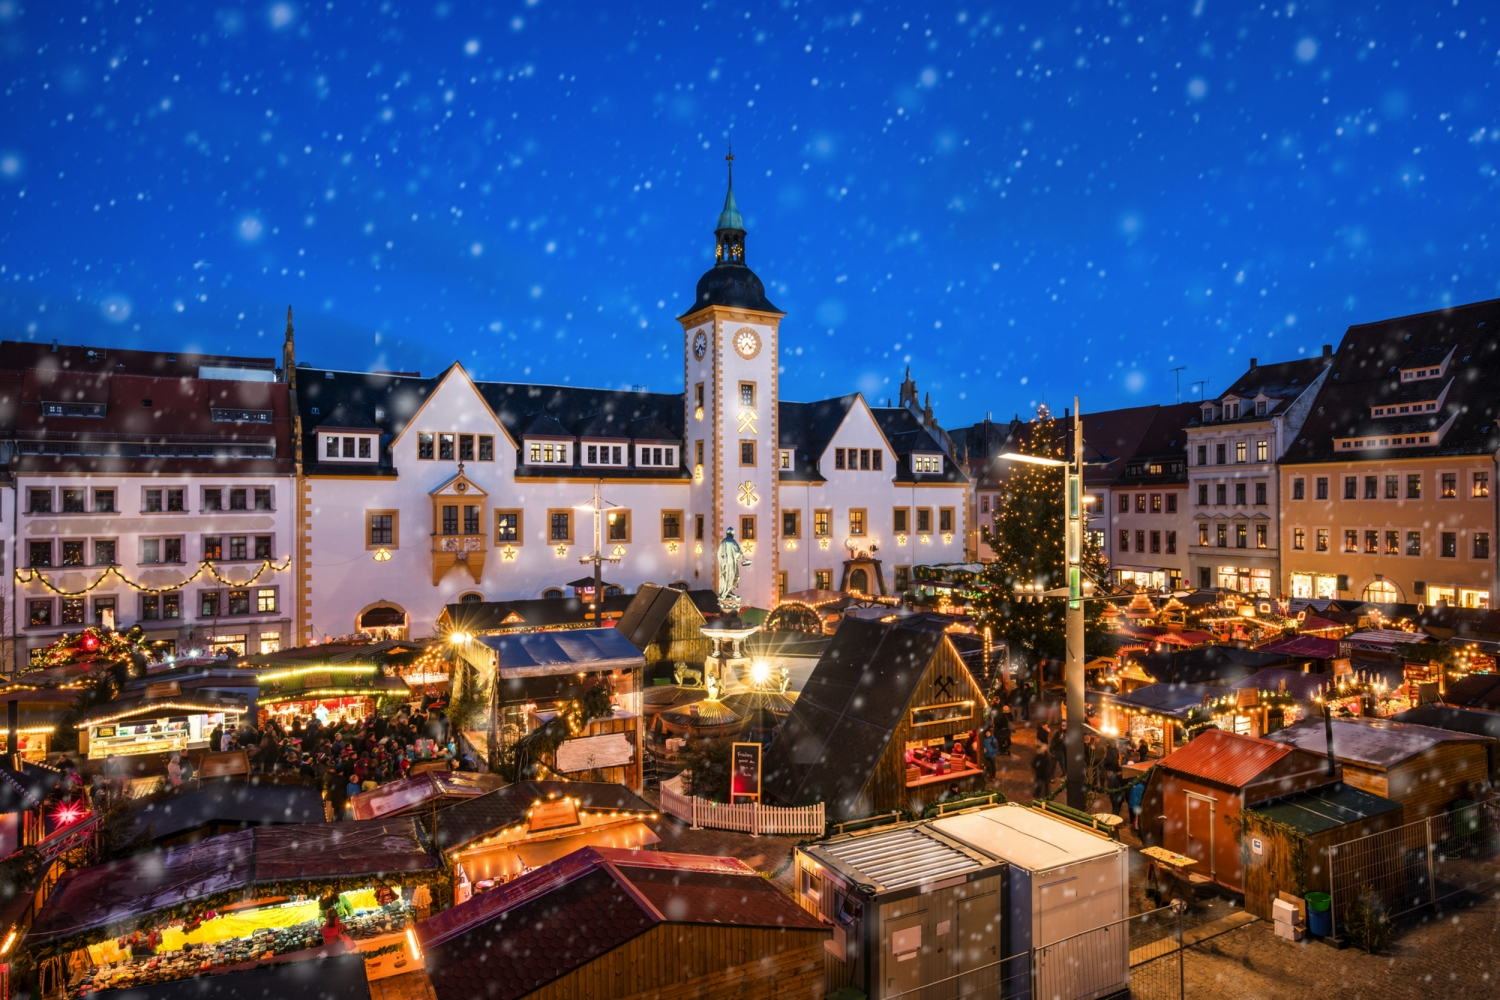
x: 1073, y: 501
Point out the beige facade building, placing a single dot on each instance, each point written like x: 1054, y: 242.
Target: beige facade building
x: 1389, y: 490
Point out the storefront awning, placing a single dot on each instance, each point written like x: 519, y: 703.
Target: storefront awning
x: 545, y: 654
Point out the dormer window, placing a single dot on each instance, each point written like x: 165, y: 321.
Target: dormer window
x: 1231, y: 409
x: 73, y: 409
x: 1428, y: 367
x: 927, y: 464
x: 1260, y: 407
x: 655, y: 456
x: 1208, y: 414
x: 603, y: 454
x: 546, y: 453
x: 338, y: 447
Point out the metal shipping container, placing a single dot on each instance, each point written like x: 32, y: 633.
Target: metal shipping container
x: 914, y: 913
x: 1069, y: 897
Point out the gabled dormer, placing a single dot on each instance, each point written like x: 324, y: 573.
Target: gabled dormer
x: 1264, y: 405
x: 1209, y: 412
x: 545, y: 442
x: 458, y: 526
x: 1231, y: 406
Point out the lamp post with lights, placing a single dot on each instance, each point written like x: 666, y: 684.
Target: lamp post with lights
x: 1074, y: 592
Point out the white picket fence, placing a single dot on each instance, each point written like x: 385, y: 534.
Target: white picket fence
x: 745, y: 817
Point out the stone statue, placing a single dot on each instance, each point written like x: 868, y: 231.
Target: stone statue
x: 728, y: 577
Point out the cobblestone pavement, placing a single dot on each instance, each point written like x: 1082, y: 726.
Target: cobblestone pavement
x: 1451, y: 954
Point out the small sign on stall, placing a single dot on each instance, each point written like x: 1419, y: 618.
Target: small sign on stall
x: 744, y: 779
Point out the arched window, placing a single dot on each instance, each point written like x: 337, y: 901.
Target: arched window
x: 552, y: 592
x: 610, y: 590
x: 471, y: 597
x: 681, y: 585
x: 859, y: 581
x: 1382, y: 592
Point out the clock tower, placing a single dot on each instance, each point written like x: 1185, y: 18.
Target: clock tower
x: 730, y: 349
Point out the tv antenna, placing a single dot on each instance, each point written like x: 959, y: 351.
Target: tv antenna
x: 1203, y: 392
x: 1177, y: 372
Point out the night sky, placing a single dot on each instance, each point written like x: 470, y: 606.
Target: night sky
x: 1021, y: 207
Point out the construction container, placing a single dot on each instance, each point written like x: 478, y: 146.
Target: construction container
x: 1069, y: 899
x: 910, y: 909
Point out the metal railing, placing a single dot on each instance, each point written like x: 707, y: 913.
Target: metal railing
x: 1419, y: 864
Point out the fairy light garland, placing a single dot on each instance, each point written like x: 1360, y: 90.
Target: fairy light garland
x: 207, y: 566
x: 158, y: 708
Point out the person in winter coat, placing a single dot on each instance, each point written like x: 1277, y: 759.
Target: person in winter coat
x: 1041, y: 771
x: 991, y: 751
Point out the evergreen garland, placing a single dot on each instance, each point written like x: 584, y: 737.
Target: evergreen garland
x: 521, y: 760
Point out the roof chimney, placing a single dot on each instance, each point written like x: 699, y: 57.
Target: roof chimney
x: 1252, y: 364
x: 1327, y: 353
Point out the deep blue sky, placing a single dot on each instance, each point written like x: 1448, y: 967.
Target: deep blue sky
x: 1022, y: 206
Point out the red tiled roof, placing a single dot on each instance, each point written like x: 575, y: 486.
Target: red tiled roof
x: 1225, y: 758
x: 515, y: 939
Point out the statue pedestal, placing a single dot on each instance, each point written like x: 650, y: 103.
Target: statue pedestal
x: 730, y: 666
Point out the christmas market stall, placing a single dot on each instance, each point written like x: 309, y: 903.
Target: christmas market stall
x: 1427, y: 770
x: 39, y: 713
x: 332, y: 692
x: 422, y: 793
x: 492, y: 839
x: 157, y: 722
x: 588, y: 681
x: 680, y: 925
x: 1272, y: 699
x: 1156, y: 713
x: 1194, y: 795
x: 229, y: 902
x: 1460, y: 720
x: 888, y: 720
x: 216, y: 807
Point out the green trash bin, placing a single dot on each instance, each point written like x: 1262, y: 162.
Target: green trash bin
x: 1319, y: 901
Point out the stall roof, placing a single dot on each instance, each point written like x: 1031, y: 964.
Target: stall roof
x: 542, y: 612
x: 544, y: 654
x: 898, y: 858
x: 1025, y: 837
x: 27, y: 788
x: 397, y: 798
x: 1300, y: 686
x: 1225, y: 758
x: 1475, y: 690
x: 461, y: 824
x: 1325, y: 808
x: 1310, y: 647
x: 341, y: 977
x: 1207, y: 664
x: 653, y: 605
x: 1172, y: 700
x: 1372, y: 742
x: 97, y: 898
x: 186, y: 704
x: 251, y: 804
x: 1383, y: 639
x: 534, y: 921
x: 1455, y: 720
x: 293, y: 683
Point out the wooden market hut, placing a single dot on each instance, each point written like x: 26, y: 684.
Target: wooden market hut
x: 1155, y: 713
x: 1427, y: 770
x: 1287, y: 840
x: 521, y: 827
x: 1460, y: 720
x: 1194, y: 796
x: 871, y: 730
x: 1274, y: 698
x: 665, y: 623
x: 194, y: 814
x: 542, y: 614
x: 666, y: 925
x: 337, y: 977
x: 531, y: 674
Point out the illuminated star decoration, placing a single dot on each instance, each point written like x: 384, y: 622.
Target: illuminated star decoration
x: 748, y: 496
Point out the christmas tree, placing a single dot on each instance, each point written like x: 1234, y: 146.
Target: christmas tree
x: 1027, y: 539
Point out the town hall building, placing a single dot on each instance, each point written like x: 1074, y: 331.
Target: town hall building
x: 484, y: 491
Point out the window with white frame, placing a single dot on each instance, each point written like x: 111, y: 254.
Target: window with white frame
x: 927, y: 463
x: 655, y: 456
x: 603, y: 454
x: 547, y: 453
x: 349, y: 447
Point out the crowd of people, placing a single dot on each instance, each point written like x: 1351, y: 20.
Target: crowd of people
x: 343, y: 757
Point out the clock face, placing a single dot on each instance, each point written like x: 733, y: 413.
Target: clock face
x: 700, y: 345
x: 747, y: 343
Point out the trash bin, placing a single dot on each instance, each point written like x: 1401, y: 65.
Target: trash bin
x: 1319, y: 914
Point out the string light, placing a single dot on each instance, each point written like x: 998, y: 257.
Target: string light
x: 207, y: 566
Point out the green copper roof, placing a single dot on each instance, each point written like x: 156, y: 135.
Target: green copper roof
x: 730, y: 217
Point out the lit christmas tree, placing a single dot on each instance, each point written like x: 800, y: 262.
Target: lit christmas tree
x: 1027, y: 540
